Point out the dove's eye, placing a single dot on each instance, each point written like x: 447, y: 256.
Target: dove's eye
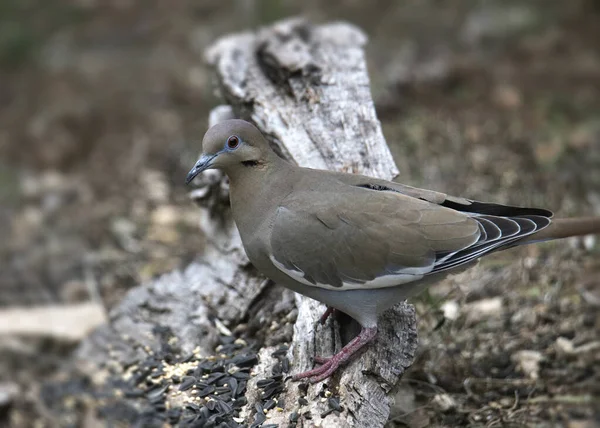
x: 233, y: 142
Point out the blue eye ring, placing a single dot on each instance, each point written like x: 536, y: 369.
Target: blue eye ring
x: 233, y: 142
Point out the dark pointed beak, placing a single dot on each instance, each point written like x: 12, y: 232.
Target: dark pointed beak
x: 203, y: 163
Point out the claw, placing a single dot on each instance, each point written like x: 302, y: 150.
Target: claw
x: 330, y: 365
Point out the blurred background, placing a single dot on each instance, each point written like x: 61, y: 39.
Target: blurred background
x: 102, y: 108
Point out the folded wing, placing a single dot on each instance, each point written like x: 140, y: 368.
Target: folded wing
x: 359, y: 237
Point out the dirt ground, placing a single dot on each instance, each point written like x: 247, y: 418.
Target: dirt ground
x: 103, y: 104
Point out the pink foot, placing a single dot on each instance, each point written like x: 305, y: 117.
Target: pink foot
x: 330, y: 311
x: 330, y: 365
x: 321, y: 360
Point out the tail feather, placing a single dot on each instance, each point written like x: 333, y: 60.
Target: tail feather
x: 564, y: 228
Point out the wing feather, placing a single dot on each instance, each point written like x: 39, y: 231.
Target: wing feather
x: 364, y: 240
x: 382, y: 234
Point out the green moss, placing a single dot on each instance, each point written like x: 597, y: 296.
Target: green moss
x: 26, y: 24
x: 9, y: 184
x: 268, y: 11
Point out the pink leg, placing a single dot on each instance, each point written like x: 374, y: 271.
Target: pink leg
x: 321, y: 360
x: 330, y: 311
x: 331, y: 365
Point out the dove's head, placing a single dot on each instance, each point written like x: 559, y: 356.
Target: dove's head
x: 231, y: 146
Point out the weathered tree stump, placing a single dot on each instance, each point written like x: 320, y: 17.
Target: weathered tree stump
x: 307, y: 88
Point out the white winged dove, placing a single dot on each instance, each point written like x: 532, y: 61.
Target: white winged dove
x: 356, y: 243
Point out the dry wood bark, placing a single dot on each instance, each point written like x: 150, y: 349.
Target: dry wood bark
x: 307, y: 88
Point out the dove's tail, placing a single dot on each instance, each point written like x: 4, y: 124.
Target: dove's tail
x: 564, y: 228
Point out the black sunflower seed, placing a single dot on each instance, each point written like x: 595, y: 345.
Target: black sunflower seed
x: 269, y: 404
x: 157, y: 400
x: 141, y: 375
x: 241, y: 375
x: 224, y: 407
x: 218, y: 368
x: 190, y: 421
x: 204, y: 367
x: 327, y: 413
x: 225, y: 397
x: 222, y: 390
x: 230, y: 424
x: 213, y: 377
x: 241, y: 388
x: 277, y: 354
x: 187, y: 382
x: 160, y: 407
x: 303, y: 388
x: 334, y: 403
x: 173, y: 415
x: 224, y: 340
x: 228, y: 349
x: 294, y: 416
x: 240, y: 402
x: 233, y: 384
x: 128, y: 362
x: 285, y: 365
x: 156, y: 374
x: 206, y: 391
x: 205, y: 412
x: 271, y: 391
x: 194, y: 408
x: 213, y: 421
x: 248, y: 360
x: 259, y: 419
x: 152, y: 363
x: 156, y: 391
x: 187, y: 358
x: 302, y: 401
x: 263, y: 383
x: 211, y: 405
x: 134, y: 393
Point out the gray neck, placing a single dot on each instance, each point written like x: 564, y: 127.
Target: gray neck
x: 258, y: 190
